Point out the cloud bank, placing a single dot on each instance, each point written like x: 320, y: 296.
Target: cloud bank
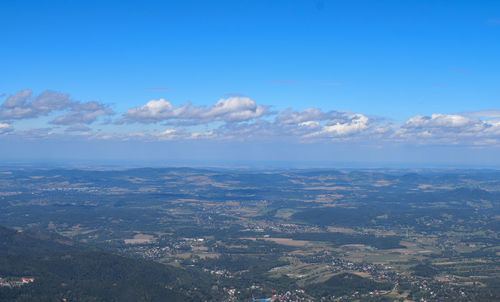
x: 239, y: 118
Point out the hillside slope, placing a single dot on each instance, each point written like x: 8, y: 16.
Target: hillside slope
x: 61, y: 270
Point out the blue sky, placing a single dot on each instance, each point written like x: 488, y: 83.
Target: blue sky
x: 378, y: 75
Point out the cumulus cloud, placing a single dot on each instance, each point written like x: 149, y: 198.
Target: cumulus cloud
x: 233, y: 109
x: 168, y: 134
x: 5, y: 128
x: 314, y: 123
x: 83, y: 113
x: 241, y: 119
x: 22, y: 104
x: 449, y: 128
x: 438, y: 121
x: 347, y: 125
x: 310, y: 124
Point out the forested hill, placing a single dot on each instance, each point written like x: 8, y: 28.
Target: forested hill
x: 19, y: 242
x: 61, y: 270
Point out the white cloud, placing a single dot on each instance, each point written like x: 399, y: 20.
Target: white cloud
x: 240, y: 119
x: 310, y: 124
x: 233, y: 109
x: 439, y: 120
x: 167, y: 134
x: 449, y: 129
x: 352, y: 124
x: 5, y: 128
x: 154, y: 111
x: 202, y: 135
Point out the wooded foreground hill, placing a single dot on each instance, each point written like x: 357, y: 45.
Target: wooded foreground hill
x: 63, y: 269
